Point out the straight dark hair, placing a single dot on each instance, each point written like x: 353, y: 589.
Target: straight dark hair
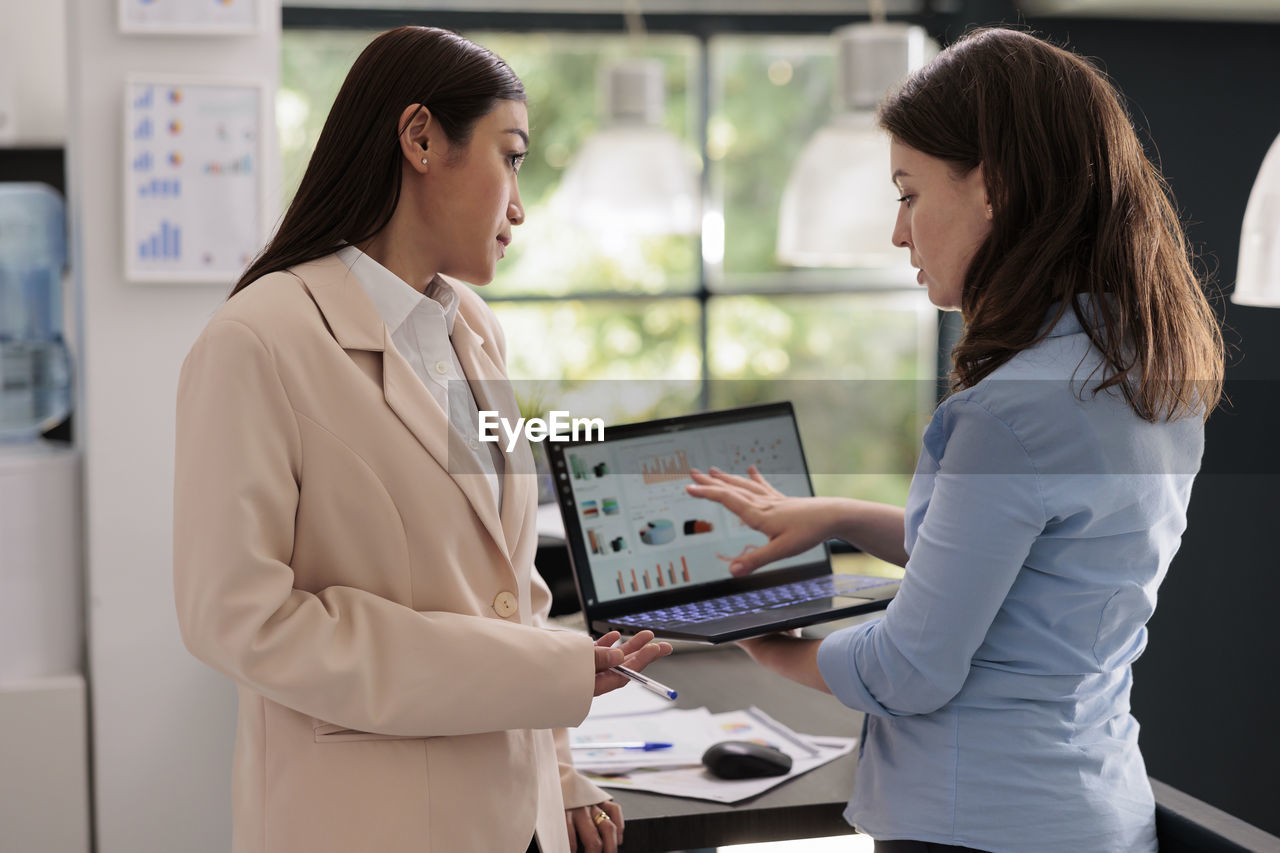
x: 352, y: 183
x: 1078, y: 209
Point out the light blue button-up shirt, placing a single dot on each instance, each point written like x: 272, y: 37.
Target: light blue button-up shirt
x: 1040, y: 521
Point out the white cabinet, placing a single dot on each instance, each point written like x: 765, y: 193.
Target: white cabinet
x: 41, y: 582
x: 44, y: 759
x: 44, y: 778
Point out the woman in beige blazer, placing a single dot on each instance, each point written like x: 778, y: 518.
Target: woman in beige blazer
x: 344, y: 550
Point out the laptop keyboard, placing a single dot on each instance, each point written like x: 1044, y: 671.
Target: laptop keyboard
x: 755, y: 601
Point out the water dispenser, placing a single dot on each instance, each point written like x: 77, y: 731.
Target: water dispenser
x: 35, y: 369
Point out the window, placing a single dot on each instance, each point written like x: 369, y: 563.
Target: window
x: 657, y: 326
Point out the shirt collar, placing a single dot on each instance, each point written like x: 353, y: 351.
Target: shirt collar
x: 1070, y: 323
x: 394, y: 298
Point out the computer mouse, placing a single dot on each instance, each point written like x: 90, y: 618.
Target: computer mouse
x: 744, y: 759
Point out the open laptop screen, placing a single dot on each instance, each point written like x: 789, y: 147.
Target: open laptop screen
x: 628, y: 517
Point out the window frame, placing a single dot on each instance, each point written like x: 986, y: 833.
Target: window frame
x: 703, y: 27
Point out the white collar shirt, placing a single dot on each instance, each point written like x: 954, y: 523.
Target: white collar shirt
x: 421, y: 327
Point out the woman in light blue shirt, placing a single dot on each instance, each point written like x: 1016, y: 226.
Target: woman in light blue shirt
x: 1052, y: 485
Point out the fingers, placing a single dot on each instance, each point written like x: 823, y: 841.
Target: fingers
x: 731, y: 498
x: 608, y: 681
x: 614, y: 811
x: 758, y: 478
x: 607, y: 657
x: 716, y: 477
x: 646, y: 655
x: 641, y: 650
x: 597, y: 835
x: 609, y: 639
x: 571, y: 829
x: 636, y: 643
x: 755, y: 483
x: 637, y: 653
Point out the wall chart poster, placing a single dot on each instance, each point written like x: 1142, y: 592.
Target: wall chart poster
x: 193, y: 184
x: 189, y: 17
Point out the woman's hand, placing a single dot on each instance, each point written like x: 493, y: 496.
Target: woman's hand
x: 598, y: 827
x: 788, y: 654
x: 793, y: 525
x: 636, y: 653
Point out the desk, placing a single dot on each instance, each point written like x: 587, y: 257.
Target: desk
x: 725, y: 679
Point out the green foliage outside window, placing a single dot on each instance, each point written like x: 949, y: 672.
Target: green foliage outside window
x: 770, y: 95
x: 858, y: 366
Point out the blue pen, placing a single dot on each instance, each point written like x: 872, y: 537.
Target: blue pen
x: 645, y: 681
x: 646, y: 745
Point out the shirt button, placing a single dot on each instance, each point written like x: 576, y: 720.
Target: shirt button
x: 505, y: 604
x: 442, y: 368
x: 474, y: 444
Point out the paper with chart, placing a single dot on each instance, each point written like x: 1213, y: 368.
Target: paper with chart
x: 688, y: 732
x: 192, y: 185
x: 192, y: 17
x: 807, y: 752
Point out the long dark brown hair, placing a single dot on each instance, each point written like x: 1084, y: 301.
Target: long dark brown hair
x: 1078, y: 209
x: 352, y: 184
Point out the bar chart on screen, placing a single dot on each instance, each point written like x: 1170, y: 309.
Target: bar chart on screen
x: 667, y: 574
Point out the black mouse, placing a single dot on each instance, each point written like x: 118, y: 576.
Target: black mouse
x: 744, y: 759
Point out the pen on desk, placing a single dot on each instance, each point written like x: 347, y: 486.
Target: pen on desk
x: 645, y: 681
x: 646, y: 745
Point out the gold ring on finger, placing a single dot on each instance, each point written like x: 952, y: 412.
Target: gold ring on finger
x: 600, y: 817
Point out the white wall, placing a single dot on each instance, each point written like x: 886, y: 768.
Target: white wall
x: 163, y: 724
x: 33, y: 74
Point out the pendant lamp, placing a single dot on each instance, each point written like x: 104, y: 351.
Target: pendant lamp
x: 633, y: 176
x: 837, y: 207
x: 1258, y: 271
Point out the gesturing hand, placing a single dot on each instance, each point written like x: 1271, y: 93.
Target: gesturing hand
x: 793, y: 525
x: 636, y: 653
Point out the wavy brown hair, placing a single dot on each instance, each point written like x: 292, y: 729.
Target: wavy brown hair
x: 1078, y: 210
x: 351, y: 185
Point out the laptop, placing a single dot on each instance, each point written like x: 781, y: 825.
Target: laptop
x: 646, y: 554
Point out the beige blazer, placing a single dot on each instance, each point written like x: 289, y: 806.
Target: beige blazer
x: 398, y: 688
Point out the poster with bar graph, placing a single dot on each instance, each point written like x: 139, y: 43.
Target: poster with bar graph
x: 189, y: 17
x: 192, y: 178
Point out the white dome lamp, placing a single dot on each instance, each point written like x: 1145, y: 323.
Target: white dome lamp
x: 1258, y: 271
x: 633, y: 176
x: 837, y: 208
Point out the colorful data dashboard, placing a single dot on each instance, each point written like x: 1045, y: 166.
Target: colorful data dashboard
x: 644, y: 533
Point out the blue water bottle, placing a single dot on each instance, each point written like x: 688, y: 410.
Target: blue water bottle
x: 35, y: 370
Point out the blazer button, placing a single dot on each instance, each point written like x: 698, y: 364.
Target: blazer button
x: 505, y: 604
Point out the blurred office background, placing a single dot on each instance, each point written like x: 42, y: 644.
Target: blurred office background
x: 640, y: 320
